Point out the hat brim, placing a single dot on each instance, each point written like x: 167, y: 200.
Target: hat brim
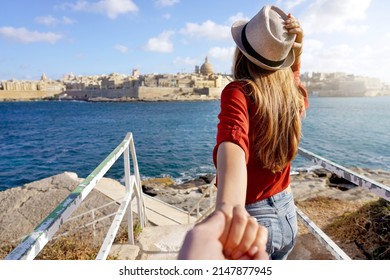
x: 236, y: 31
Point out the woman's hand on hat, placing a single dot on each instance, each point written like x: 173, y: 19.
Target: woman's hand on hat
x: 294, y: 27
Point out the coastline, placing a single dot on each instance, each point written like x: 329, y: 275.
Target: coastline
x: 169, y: 96
x: 57, y: 97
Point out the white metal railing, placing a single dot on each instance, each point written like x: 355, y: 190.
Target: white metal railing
x: 94, y: 221
x: 353, y: 177
x: 30, y: 247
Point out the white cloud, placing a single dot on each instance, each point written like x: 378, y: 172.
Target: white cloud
x: 111, y: 8
x: 167, y: 16
x: 338, y: 52
x: 207, y: 29
x: 66, y: 20
x: 25, y: 36
x: 186, y: 61
x: 289, y: 4
x: 46, y: 20
x: 224, y: 54
x: 165, y: 3
x: 121, y: 48
x: 313, y: 45
x: 325, y: 16
x: 161, y: 44
x: 349, y: 59
x: 52, y: 21
x: 237, y: 17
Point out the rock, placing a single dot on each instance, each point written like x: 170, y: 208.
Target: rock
x: 207, y: 178
x: 185, y: 195
x: 154, y: 186
x: 192, y: 184
x: 160, y: 182
x: 23, y: 208
x: 322, y: 172
x: 340, y: 183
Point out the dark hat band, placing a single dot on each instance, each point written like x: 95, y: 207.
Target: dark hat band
x: 255, y: 54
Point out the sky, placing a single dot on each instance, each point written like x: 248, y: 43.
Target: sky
x: 94, y: 37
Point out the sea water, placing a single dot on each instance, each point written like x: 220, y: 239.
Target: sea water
x: 176, y: 139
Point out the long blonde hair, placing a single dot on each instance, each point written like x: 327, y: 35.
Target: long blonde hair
x: 279, y: 106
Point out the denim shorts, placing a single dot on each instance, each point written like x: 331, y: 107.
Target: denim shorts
x: 277, y: 213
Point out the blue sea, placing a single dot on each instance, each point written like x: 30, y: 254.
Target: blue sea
x: 175, y: 139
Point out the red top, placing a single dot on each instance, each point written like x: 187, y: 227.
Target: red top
x: 236, y: 123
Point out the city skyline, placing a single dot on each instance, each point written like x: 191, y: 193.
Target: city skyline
x: 97, y: 37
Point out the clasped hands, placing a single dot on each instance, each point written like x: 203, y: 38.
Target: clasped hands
x: 228, y: 233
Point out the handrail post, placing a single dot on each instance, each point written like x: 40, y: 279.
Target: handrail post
x: 138, y: 189
x: 126, y: 158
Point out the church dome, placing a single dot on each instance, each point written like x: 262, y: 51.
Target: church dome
x: 206, y: 68
x: 43, y: 77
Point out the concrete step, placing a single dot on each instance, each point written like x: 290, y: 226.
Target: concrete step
x: 161, y: 213
x: 154, y: 243
x: 158, y: 213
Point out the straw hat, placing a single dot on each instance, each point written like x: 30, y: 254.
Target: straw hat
x: 264, y: 40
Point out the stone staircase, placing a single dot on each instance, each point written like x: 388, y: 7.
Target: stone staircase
x: 163, y: 238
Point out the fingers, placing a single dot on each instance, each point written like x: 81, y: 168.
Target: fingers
x: 247, y: 240
x: 258, y: 249
x: 293, y: 26
x: 238, y: 229
x: 243, y: 238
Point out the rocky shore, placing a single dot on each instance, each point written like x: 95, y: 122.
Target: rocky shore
x: 323, y: 197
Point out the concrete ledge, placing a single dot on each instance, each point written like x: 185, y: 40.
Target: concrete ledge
x: 124, y: 251
x: 163, y: 242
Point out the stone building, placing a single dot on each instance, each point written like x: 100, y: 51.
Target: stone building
x: 341, y: 84
x: 43, y: 85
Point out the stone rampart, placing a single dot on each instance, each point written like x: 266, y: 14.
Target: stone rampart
x: 26, y: 95
x: 161, y: 93
x: 104, y: 93
x: 133, y: 93
x: 211, y: 92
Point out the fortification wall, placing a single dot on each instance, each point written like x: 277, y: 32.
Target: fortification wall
x: 105, y: 93
x: 26, y: 95
x: 211, y: 92
x: 161, y: 93
x: 136, y: 93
